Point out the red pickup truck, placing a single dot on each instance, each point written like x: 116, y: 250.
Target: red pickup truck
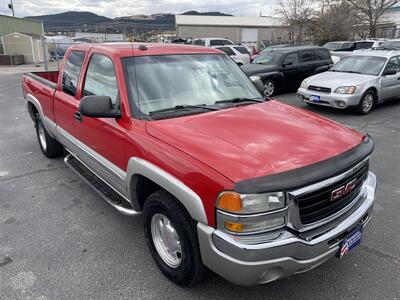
x: 225, y: 179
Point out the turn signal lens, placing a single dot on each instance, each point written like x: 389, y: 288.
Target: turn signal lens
x: 235, y: 227
x: 230, y: 201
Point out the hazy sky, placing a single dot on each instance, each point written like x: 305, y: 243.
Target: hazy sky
x: 133, y: 7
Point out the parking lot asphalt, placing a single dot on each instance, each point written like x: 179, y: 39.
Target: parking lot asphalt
x: 59, y: 240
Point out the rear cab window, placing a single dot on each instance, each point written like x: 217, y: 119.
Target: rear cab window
x: 100, y: 78
x: 72, y: 70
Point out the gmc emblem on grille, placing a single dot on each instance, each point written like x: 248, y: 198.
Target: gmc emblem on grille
x: 343, y: 190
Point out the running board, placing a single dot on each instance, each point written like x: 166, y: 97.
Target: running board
x: 100, y: 186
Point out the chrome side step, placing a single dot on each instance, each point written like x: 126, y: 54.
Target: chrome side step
x: 117, y: 201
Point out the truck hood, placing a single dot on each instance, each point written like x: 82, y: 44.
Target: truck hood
x: 253, y: 69
x: 335, y: 79
x: 256, y: 140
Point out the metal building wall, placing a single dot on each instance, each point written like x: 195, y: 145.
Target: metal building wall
x: 11, y: 24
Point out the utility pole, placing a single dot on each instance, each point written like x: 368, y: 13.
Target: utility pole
x: 11, y: 6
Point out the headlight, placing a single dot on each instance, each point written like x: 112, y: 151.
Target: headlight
x: 254, y: 78
x: 251, y: 226
x: 303, y: 84
x: 345, y: 90
x: 250, y: 203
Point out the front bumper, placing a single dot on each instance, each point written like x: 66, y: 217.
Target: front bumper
x: 331, y: 99
x: 252, y: 264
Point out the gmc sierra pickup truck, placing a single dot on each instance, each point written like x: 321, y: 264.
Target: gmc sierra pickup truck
x: 225, y: 179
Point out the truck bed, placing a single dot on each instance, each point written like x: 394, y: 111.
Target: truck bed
x: 49, y: 78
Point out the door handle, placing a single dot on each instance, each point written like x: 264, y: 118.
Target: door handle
x: 78, y: 116
x: 398, y: 78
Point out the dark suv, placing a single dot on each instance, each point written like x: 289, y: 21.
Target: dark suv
x: 284, y: 68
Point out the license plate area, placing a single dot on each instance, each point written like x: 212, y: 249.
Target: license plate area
x: 315, y: 99
x: 352, y: 240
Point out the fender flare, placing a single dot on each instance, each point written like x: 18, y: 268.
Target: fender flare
x: 187, y: 197
x: 48, y: 124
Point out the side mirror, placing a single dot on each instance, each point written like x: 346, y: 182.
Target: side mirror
x: 259, y: 85
x: 390, y: 72
x: 289, y: 63
x: 98, y: 107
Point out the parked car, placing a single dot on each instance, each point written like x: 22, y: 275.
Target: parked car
x: 356, y: 46
x: 207, y: 42
x: 360, y: 80
x: 239, y: 54
x: 253, y: 189
x: 285, y: 68
x: 333, y: 46
x: 393, y: 44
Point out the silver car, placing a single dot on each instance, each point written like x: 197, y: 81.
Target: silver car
x: 360, y: 80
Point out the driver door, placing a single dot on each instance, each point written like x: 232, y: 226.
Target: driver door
x: 391, y: 83
x: 103, y: 139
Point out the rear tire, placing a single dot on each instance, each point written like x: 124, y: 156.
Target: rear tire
x: 171, y: 236
x: 50, y: 147
x: 367, y: 103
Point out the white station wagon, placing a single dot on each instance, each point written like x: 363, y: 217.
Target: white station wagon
x: 360, y: 80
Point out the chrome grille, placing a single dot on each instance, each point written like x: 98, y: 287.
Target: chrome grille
x: 318, y: 205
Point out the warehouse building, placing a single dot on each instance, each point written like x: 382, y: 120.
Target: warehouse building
x: 20, y: 38
x: 251, y: 31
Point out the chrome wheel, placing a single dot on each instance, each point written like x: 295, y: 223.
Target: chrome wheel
x: 42, y: 136
x: 269, y: 88
x: 368, y: 102
x: 166, y: 240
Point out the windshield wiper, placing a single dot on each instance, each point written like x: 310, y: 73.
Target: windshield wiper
x: 238, y: 100
x: 181, y: 107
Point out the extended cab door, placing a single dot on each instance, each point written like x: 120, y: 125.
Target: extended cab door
x: 103, y: 139
x: 391, y: 83
x: 66, y: 102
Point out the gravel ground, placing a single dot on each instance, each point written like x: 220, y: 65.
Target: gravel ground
x: 59, y: 240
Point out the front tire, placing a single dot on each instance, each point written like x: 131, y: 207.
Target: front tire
x: 367, y: 103
x: 50, y: 147
x: 172, y: 239
x: 269, y: 88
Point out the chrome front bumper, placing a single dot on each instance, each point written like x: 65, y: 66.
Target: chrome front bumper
x: 258, y: 263
x: 330, y: 99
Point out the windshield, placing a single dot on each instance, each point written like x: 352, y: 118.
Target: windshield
x: 161, y: 82
x: 268, y: 58
x: 391, y: 45
x: 332, y: 45
x: 368, y: 65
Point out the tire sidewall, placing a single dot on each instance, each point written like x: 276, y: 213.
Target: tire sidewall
x: 360, y: 106
x: 182, y: 275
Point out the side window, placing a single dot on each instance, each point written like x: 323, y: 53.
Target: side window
x: 306, y: 56
x: 227, y: 50
x: 72, y: 69
x: 215, y: 43
x: 393, y: 63
x: 322, y: 54
x: 100, y: 78
x: 291, y: 59
x: 199, y: 42
x: 242, y: 50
